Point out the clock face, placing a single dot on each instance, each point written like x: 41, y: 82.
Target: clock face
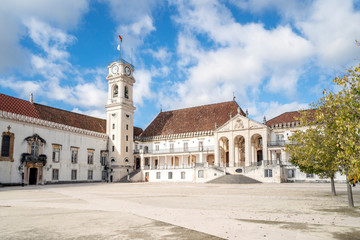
x: 127, y: 71
x: 114, y: 69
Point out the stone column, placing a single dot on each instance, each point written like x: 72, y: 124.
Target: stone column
x: 231, y: 152
x: 216, y: 151
x: 237, y: 154
x: 247, y: 151
x: 264, y: 147
x: 142, y: 161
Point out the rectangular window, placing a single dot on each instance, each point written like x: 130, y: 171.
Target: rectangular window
x: 90, y: 156
x: 113, y: 148
x: 268, y: 173
x: 171, y: 147
x: 201, y: 174
x: 127, y: 138
x: 56, y: 153
x: 158, y: 175
x: 186, y: 146
x: 291, y: 173
x: 73, y: 174
x: 127, y: 149
x: 5, y: 146
x: 90, y: 174
x: 309, y: 175
x: 127, y: 127
x: 113, y: 137
x: 170, y: 175
x: 55, y: 174
x: 201, y: 146
x: 103, y: 175
x: 182, y: 175
x: 74, y: 155
x: 103, y: 156
x: 113, y: 126
x: 157, y: 147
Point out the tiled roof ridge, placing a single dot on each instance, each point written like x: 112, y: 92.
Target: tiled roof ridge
x: 69, y: 111
x: 296, y: 111
x: 204, y: 105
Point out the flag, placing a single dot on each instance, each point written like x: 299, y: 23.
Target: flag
x: 118, y: 47
x: 120, y: 38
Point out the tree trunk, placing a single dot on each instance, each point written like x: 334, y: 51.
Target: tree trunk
x: 349, y: 192
x: 333, y: 191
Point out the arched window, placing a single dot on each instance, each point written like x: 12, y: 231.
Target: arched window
x: 126, y: 92
x: 35, y: 148
x: 115, y: 91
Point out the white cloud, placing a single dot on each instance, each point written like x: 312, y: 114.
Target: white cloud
x: 23, y: 88
x: 134, y: 19
x: 245, y: 57
x: 13, y: 13
x: 142, y: 87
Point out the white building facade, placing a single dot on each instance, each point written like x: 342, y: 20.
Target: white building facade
x: 42, y: 145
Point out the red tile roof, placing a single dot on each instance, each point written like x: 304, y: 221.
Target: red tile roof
x: 137, y: 131
x: 286, y: 117
x: 194, y: 119
x: 35, y: 110
x: 18, y: 106
x: 70, y: 118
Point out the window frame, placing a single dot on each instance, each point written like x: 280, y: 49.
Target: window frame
x: 56, y: 148
x: 90, y: 156
x: 10, y: 148
x: 73, y: 174
x: 74, y: 155
x: 90, y: 175
x: 55, y: 177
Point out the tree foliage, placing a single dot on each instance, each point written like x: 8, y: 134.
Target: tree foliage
x: 332, y: 140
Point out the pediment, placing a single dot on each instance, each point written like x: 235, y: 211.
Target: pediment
x: 239, y: 123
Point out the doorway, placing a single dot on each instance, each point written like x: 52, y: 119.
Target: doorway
x: 33, y: 176
x: 137, y: 163
x: 146, y: 177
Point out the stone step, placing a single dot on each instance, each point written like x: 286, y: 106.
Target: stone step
x: 234, y: 179
x: 133, y: 173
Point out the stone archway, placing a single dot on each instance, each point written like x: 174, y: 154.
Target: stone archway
x: 224, y: 151
x: 256, y: 149
x: 239, y: 145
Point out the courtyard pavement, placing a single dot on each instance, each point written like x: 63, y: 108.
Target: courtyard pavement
x: 178, y: 211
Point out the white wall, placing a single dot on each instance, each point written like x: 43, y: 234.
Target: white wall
x: 9, y: 173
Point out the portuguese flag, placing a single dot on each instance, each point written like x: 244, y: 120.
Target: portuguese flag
x: 120, y: 38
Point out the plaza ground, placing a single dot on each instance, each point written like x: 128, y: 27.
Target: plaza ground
x: 178, y: 211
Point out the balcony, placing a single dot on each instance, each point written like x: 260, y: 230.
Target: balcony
x: 265, y: 163
x: 279, y: 143
x: 176, y: 150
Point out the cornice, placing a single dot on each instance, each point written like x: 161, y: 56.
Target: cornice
x: 174, y: 136
x: 40, y: 122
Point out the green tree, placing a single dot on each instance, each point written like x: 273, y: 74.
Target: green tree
x: 332, y: 140
x: 312, y: 150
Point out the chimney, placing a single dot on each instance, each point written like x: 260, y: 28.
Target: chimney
x: 264, y: 119
x: 31, y: 98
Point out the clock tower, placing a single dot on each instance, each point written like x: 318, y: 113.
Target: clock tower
x: 120, y: 118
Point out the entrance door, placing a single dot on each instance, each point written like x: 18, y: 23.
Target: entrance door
x: 33, y: 176
x: 259, y: 156
x: 137, y: 163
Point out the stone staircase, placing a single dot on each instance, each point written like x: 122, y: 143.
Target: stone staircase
x: 234, y: 179
x: 125, y: 179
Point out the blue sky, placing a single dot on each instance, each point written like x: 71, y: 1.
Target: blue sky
x: 274, y: 55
